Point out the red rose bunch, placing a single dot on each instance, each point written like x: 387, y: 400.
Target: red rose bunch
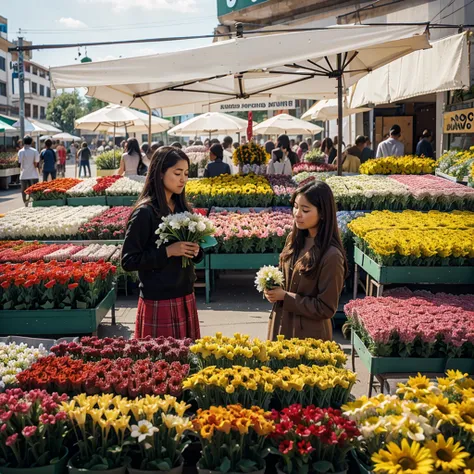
x: 110, y: 224
x: 59, y: 285
x: 32, y: 428
x: 95, y: 349
x: 104, y: 182
x: 125, y: 376
x: 318, y: 438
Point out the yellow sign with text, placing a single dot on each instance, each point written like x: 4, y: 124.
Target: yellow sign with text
x: 459, y: 121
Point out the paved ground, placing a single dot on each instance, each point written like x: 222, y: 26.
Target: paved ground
x: 235, y: 306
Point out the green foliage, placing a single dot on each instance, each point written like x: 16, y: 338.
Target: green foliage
x: 64, y: 109
x: 107, y: 161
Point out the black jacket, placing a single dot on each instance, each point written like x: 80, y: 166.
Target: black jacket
x: 161, y: 278
x: 216, y: 168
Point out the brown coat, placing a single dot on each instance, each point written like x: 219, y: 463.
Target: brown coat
x: 311, y: 302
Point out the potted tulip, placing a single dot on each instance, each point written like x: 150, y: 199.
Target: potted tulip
x: 311, y: 439
x: 32, y: 432
x: 233, y: 439
x: 158, y: 433
x: 100, y: 425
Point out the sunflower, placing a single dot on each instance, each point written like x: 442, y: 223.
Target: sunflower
x: 448, y: 456
x: 420, y: 382
x: 408, y: 459
x: 466, y: 412
x: 442, y: 409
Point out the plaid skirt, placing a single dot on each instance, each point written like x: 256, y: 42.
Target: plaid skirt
x: 177, y: 318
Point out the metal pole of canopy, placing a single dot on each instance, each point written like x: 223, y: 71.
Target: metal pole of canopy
x: 339, y: 114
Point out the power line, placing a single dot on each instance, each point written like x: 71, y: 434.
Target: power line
x: 442, y: 10
x: 455, y: 11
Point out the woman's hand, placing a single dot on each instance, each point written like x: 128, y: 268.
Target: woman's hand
x: 182, y: 249
x: 277, y: 294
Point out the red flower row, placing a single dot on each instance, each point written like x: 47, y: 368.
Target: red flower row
x: 104, y: 182
x: 124, y: 376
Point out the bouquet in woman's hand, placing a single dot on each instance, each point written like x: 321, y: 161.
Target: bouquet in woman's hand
x: 184, y: 227
x: 268, y: 277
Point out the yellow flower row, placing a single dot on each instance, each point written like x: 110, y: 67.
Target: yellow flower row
x: 225, y: 184
x: 242, y: 346
x: 417, y: 234
x: 232, y: 418
x: 399, y: 165
x: 267, y: 380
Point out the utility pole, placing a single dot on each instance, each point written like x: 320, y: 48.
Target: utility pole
x: 21, y: 83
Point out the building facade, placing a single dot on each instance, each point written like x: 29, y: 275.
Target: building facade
x: 414, y: 115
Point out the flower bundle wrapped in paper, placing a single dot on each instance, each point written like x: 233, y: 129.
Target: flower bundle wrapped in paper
x: 184, y: 227
x: 233, y: 438
x: 427, y: 427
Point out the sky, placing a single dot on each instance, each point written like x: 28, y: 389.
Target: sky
x: 72, y: 21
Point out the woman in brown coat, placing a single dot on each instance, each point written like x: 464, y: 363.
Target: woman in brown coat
x: 314, y: 265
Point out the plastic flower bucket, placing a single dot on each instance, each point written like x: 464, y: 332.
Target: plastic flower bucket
x: 58, y: 467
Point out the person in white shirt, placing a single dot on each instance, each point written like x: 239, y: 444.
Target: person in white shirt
x: 228, y: 155
x: 28, y: 158
x: 392, y: 146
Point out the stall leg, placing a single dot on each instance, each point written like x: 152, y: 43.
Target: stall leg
x: 371, y: 384
x: 208, y: 285
x: 114, y: 322
x: 356, y: 280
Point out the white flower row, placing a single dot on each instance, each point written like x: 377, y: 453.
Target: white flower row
x: 83, y: 189
x: 46, y: 222
x: 14, y: 358
x: 94, y: 253
x: 127, y: 186
x: 367, y: 186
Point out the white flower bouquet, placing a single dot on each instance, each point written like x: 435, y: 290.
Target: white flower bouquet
x: 185, y: 227
x: 268, y: 277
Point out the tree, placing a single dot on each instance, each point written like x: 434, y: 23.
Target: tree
x: 93, y: 104
x: 64, y: 109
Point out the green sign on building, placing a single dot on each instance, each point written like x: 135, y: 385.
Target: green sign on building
x: 228, y: 6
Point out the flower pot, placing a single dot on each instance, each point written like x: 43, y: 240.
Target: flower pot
x: 58, y: 467
x: 106, y: 172
x: 77, y: 470
x: 207, y: 471
x: 363, y: 468
x: 175, y: 470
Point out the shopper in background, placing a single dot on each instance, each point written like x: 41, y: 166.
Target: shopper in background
x: 350, y: 160
x: 48, y: 161
x: 392, y: 146
x: 73, y: 150
x: 83, y: 157
x: 28, y: 159
x: 316, y: 145
x: 281, y: 162
x: 269, y: 147
x: 424, y: 146
x: 284, y: 144
x: 327, y: 147
x: 309, y: 141
x: 314, y: 266
x: 228, y: 154
x: 167, y: 305
x: 131, y: 159
x: 365, y: 153
x: 302, y: 150
x: 216, y: 166
x: 293, y: 145
x: 177, y: 145
x: 62, y: 155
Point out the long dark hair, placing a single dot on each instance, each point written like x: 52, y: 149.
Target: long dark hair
x: 327, y: 144
x: 319, y: 194
x: 154, y: 190
x: 283, y: 141
x: 133, y: 148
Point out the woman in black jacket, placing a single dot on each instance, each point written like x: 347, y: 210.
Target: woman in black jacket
x: 167, y: 306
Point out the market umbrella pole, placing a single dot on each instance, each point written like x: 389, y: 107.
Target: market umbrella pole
x: 339, y: 114
x: 149, y: 127
x: 113, y: 145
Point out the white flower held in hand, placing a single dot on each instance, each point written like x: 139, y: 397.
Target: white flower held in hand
x: 268, y: 277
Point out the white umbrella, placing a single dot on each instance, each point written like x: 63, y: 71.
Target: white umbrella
x: 67, y: 137
x: 31, y: 128
x: 285, y: 123
x: 327, y: 110
x: 211, y: 122
x: 112, y: 116
x: 4, y: 127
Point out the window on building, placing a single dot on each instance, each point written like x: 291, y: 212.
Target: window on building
x: 34, y: 87
x: 48, y: 92
x: 42, y: 90
x: 27, y: 68
x: 3, y: 89
x: 3, y: 63
x: 42, y: 73
x: 42, y: 113
x: 35, y: 111
x: 35, y: 71
x: 27, y: 110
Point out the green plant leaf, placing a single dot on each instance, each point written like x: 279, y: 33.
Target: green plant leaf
x: 247, y: 465
x: 225, y: 465
x: 322, y: 466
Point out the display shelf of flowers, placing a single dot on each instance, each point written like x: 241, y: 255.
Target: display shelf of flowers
x: 427, y: 427
x: 415, y: 247
x: 9, y: 165
x: 251, y: 158
x: 409, y: 332
x: 90, y: 191
x: 52, y: 193
x: 399, y: 165
x: 456, y: 165
x: 55, y: 297
x: 107, y: 163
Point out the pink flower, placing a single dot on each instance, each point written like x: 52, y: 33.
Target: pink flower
x: 29, y: 431
x: 11, y: 440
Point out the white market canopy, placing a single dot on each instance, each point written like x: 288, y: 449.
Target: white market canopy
x: 36, y: 128
x: 67, y: 137
x: 444, y: 67
x: 299, y: 64
x: 117, y: 116
x: 327, y: 110
x: 285, y: 123
x: 5, y: 127
x: 211, y: 122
